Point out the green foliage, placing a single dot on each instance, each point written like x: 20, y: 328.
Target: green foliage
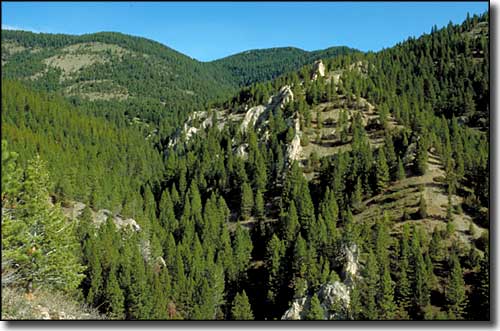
x: 241, y: 307
x: 382, y: 171
x: 422, y: 207
x: 455, y: 290
x: 247, y: 201
x: 315, y: 311
x: 38, y: 243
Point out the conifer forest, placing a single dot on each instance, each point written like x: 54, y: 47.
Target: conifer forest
x: 274, y: 184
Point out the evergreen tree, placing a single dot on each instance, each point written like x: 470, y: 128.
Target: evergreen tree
x: 421, y: 158
x: 381, y: 171
x: 37, y: 241
x: 387, y: 305
x: 455, y: 290
x: 241, y: 309
x: 315, y: 311
x: 400, y: 174
x: 274, y: 253
x: 422, y: 207
x: 114, y: 298
x: 247, y: 201
x: 259, y: 205
x: 372, y: 287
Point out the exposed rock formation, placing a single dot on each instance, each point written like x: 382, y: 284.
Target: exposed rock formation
x: 251, y: 117
x: 350, y: 269
x: 75, y: 209
x: 294, y: 149
x: 296, y: 311
x: 319, y: 70
x: 337, y: 296
x: 284, y: 96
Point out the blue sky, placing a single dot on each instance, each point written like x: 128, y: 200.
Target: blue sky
x: 208, y: 31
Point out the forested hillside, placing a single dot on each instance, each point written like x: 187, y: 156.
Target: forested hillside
x: 265, y: 64
x: 355, y: 187
x: 123, y: 71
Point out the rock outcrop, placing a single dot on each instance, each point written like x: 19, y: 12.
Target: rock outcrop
x: 297, y: 310
x: 294, y: 150
x: 284, y: 96
x: 319, y: 70
x: 74, y: 210
x: 251, y: 117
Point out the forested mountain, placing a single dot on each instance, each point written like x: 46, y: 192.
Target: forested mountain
x: 136, y: 72
x: 356, y: 187
x: 265, y: 64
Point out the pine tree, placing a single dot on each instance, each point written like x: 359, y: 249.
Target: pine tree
x: 421, y: 158
x: 381, y: 171
x: 387, y: 305
x: 247, y: 201
x: 355, y: 307
x: 37, y: 241
x: 455, y: 290
x: 404, y: 284
x: 372, y: 287
x: 421, y: 286
x: 357, y: 198
x: 315, y: 311
x: 400, y: 174
x: 114, y: 298
x: 259, y: 205
x: 422, y: 207
x: 241, y: 309
x: 274, y: 253
x: 291, y: 224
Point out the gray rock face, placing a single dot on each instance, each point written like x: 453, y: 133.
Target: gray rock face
x: 294, y: 150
